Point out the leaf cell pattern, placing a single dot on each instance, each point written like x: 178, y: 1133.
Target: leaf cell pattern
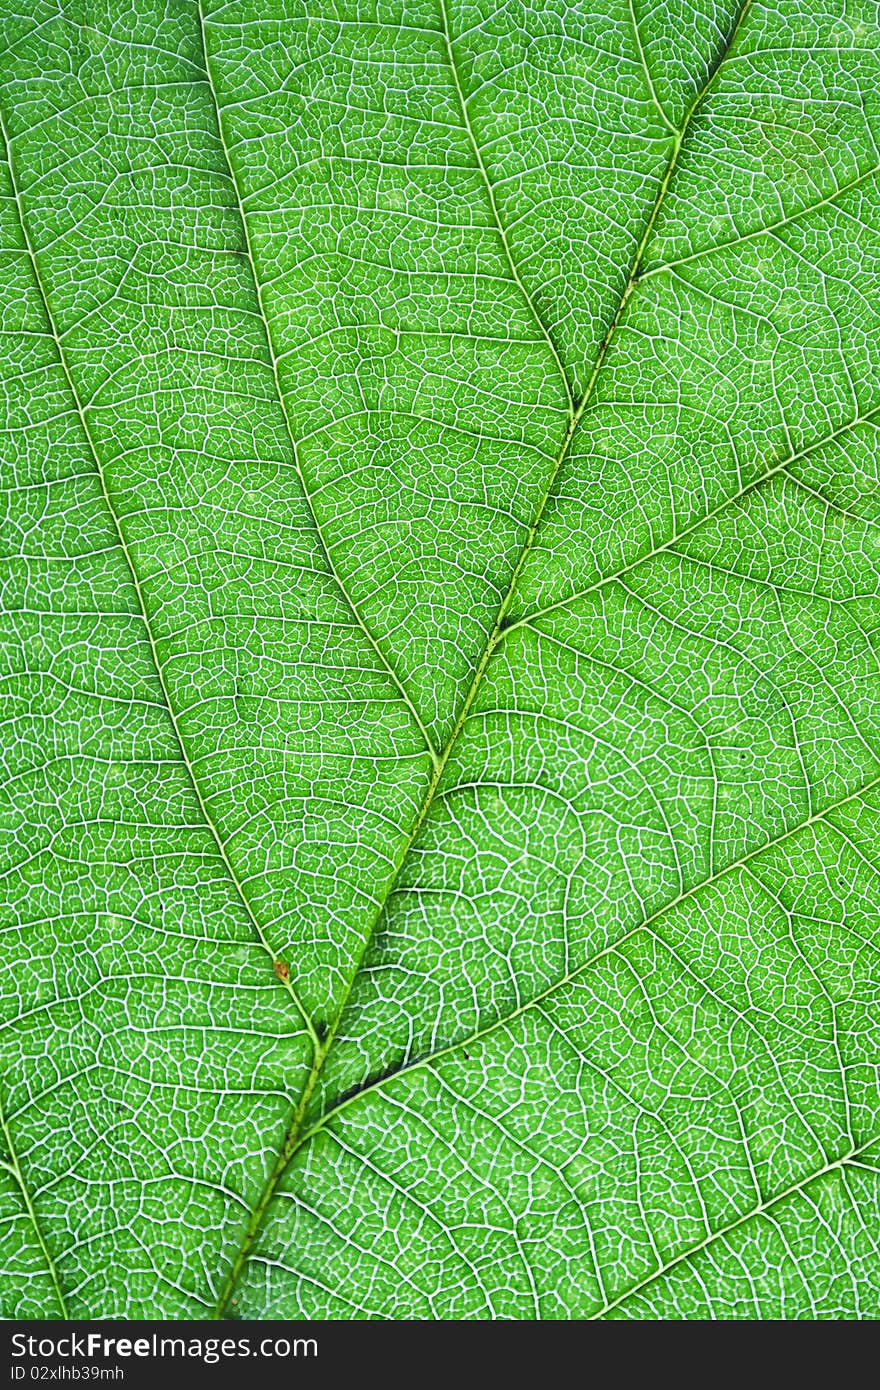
x: 440, y: 658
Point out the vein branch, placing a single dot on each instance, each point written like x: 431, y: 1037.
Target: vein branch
x: 836, y: 1165
x: 427, y: 1060
x: 493, y: 204
x: 769, y: 230
x: 274, y: 357
x: 647, y: 71
x: 138, y: 590
x: 13, y: 1168
x: 781, y: 467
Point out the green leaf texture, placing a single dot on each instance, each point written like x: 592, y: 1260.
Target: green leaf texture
x: 441, y: 700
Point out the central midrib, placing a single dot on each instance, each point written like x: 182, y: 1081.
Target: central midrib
x: 294, y: 1136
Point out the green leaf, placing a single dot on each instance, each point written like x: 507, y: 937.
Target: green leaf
x: 441, y: 639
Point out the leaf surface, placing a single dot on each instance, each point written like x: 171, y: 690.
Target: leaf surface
x: 442, y: 756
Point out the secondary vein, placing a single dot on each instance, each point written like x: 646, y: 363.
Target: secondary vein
x: 13, y: 1167
x: 496, y: 215
x: 142, y: 605
x: 837, y: 1164
x: 781, y: 467
x: 479, y: 1034
x: 274, y: 359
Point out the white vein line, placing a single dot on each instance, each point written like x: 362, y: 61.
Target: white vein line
x: 490, y: 193
x: 274, y: 359
x: 148, y: 632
